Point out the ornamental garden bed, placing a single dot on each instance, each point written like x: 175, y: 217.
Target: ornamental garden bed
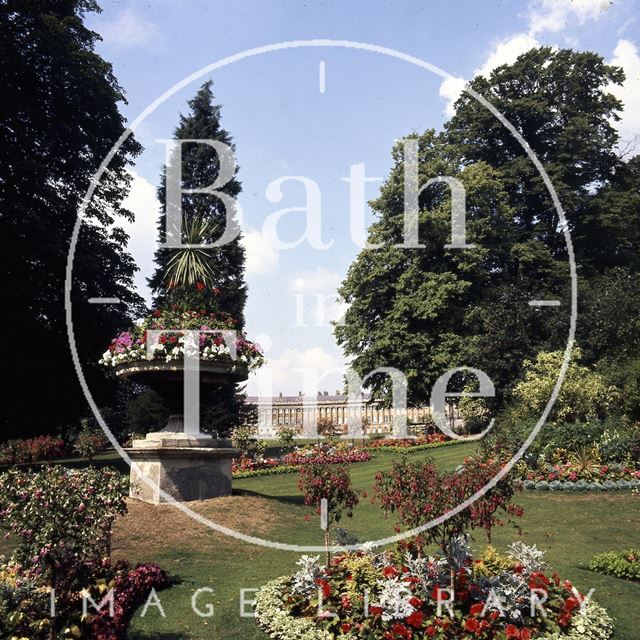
x: 621, y: 564
x: 409, y: 445
x: 61, y: 521
x: 404, y: 595
x: 571, y: 476
x: 322, y: 454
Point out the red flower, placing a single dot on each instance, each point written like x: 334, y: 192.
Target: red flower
x: 512, y: 631
x: 415, y: 619
x: 471, y: 624
x: 389, y: 572
x: 477, y: 608
x: 325, y: 586
x: 525, y: 634
x: 200, y: 286
x: 375, y: 611
x: 399, y: 629
x: 431, y: 631
x: 346, y: 627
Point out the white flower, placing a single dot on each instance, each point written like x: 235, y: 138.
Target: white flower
x: 394, y: 599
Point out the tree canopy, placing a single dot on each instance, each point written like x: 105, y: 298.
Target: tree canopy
x: 425, y: 311
x: 59, y: 120
x: 204, y: 278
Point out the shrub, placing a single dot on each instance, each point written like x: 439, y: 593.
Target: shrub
x: 621, y: 564
x: 419, y: 493
x: 333, y: 484
x: 584, y: 394
x: 58, y: 513
x: 326, y: 427
x: 244, y: 438
x: 43, y: 448
x: 63, y: 520
x: 287, y: 435
x: 89, y: 443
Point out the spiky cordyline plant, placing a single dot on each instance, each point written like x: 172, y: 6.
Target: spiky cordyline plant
x: 192, y: 263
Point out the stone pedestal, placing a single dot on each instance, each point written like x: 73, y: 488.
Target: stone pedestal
x: 185, y: 466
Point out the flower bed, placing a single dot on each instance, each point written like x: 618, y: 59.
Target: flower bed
x: 131, y: 346
x: 409, y: 445
x: 570, y: 477
x: 405, y: 596
x: 317, y: 454
x: 32, y: 450
x: 25, y: 601
x: 131, y: 588
x: 621, y: 564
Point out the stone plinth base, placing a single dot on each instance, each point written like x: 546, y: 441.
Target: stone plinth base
x: 186, y: 467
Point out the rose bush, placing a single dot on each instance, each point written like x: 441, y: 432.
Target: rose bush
x: 330, y: 483
x: 62, y: 520
x: 418, y: 493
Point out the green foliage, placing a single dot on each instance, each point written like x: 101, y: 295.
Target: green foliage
x: 584, y: 394
x: 622, y: 564
x: 57, y: 513
x: 626, y: 376
x: 475, y: 413
x: 60, y: 119
x: 492, y: 563
x: 192, y: 264
x: 89, y: 442
x: 426, y: 311
x: 244, y: 438
x: 146, y: 412
x: 287, y: 435
x: 204, y: 217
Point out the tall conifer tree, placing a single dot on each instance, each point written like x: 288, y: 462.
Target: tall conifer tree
x: 204, y: 219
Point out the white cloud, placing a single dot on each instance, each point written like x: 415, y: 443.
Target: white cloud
x: 130, y: 30
x: 554, y: 15
x: 287, y: 378
x: 507, y: 51
x: 544, y: 16
x: 626, y: 55
x: 450, y: 90
x: 261, y: 257
x: 143, y: 233
x: 503, y: 52
x: 320, y: 280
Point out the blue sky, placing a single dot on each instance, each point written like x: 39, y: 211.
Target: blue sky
x: 284, y: 125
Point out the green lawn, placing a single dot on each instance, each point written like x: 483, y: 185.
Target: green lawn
x: 570, y: 527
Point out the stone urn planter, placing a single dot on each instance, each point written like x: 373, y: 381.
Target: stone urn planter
x: 180, y: 461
